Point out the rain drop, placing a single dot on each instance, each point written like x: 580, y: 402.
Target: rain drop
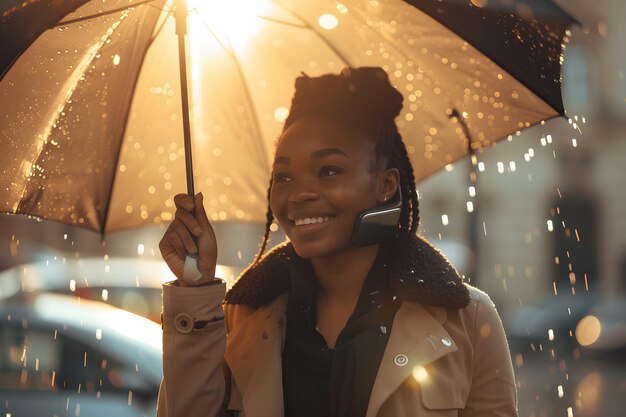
x: 328, y: 21
x: 342, y: 8
x: 280, y: 114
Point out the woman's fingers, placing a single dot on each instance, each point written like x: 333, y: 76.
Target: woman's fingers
x: 207, y: 243
x: 184, y: 213
x: 189, y: 233
x: 183, y: 201
x: 201, y: 216
x: 177, y: 244
x: 182, y: 233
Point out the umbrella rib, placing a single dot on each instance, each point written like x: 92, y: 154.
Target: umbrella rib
x: 282, y: 22
x: 108, y: 12
x: 158, y: 31
x: 228, y: 50
x: 255, y: 120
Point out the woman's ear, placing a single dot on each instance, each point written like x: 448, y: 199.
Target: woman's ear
x: 388, y: 183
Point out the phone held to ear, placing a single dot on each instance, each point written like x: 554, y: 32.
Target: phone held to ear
x: 378, y: 224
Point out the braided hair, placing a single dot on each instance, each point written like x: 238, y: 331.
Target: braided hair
x: 364, y: 100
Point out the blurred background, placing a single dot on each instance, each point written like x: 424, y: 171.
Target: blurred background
x: 542, y: 230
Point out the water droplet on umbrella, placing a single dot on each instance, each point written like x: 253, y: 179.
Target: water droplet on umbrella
x: 280, y: 114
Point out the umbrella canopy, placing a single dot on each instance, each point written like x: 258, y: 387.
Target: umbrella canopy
x: 90, y: 119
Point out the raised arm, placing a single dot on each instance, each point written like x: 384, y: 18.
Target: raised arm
x: 194, y: 335
x: 194, y: 342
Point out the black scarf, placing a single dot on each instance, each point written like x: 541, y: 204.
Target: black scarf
x: 322, y: 382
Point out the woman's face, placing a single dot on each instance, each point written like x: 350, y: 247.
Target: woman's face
x: 322, y: 177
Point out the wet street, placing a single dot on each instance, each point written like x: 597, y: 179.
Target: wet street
x: 582, y: 388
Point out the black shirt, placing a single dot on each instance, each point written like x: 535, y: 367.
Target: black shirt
x: 322, y: 382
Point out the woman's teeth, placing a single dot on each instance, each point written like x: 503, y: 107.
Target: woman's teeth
x: 311, y: 220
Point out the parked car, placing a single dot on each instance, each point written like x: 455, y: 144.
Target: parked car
x: 129, y: 283
x: 587, y: 324
x: 65, y: 356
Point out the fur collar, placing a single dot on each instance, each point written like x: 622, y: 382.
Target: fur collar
x: 417, y: 272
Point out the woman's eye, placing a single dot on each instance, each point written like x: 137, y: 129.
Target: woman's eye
x: 328, y: 171
x: 281, y: 177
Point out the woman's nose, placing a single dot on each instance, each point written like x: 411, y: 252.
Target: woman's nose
x: 303, y: 192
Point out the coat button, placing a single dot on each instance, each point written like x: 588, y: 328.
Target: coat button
x: 401, y: 360
x: 446, y: 342
x: 183, y: 323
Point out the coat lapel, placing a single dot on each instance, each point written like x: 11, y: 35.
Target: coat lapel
x: 253, y: 355
x: 254, y: 349
x: 417, y: 338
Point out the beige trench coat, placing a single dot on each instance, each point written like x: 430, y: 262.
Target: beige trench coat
x: 437, y: 362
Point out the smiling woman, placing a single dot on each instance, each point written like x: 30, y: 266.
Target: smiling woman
x: 322, y: 178
x: 326, y: 325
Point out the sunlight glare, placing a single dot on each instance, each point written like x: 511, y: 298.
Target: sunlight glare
x: 420, y: 374
x: 233, y: 22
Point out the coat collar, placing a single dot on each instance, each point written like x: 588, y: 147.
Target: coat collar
x: 417, y: 273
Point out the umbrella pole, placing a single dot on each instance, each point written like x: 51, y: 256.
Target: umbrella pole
x: 181, y: 30
x: 191, y: 272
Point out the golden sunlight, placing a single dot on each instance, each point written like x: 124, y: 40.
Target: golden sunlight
x: 232, y: 22
x: 420, y: 374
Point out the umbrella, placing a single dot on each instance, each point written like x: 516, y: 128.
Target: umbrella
x: 90, y: 105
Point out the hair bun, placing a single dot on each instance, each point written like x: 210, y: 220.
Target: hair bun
x: 362, y: 95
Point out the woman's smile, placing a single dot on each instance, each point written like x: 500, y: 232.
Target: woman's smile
x: 306, y: 221
x: 303, y: 227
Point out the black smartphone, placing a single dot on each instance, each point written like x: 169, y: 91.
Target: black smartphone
x: 378, y: 224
